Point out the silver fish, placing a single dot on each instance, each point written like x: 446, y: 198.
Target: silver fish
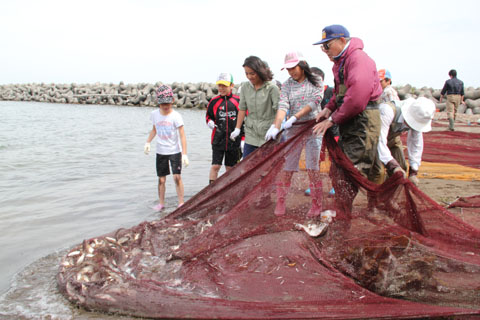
x: 313, y: 229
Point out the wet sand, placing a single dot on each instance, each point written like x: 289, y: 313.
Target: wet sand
x: 446, y: 191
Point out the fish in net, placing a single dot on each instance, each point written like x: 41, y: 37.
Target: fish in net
x: 376, y: 251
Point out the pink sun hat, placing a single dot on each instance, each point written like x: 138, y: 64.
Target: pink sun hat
x: 292, y: 59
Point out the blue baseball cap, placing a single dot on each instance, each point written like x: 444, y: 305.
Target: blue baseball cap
x: 384, y: 73
x: 332, y: 32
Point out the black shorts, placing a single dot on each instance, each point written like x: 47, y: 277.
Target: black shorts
x: 175, y: 162
x: 232, y: 157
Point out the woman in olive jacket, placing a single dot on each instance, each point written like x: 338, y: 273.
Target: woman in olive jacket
x: 259, y: 99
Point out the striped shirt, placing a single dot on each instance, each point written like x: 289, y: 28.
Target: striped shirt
x: 295, y: 96
x: 389, y: 94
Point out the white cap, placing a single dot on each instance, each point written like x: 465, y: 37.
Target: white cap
x: 225, y: 78
x: 418, y: 113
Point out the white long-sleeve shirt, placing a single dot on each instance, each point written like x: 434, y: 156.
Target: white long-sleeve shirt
x: 414, y: 138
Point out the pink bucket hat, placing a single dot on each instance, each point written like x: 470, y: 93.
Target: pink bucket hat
x: 164, y: 94
x: 292, y: 59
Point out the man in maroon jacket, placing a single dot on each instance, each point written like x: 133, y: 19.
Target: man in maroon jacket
x: 354, y: 105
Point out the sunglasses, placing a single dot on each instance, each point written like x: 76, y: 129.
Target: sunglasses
x: 326, y: 45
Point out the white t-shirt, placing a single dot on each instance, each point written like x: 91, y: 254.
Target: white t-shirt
x: 168, y: 138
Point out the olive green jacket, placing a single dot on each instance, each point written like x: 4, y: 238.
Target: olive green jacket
x: 262, y: 107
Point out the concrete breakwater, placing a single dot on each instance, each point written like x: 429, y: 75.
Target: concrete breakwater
x: 472, y: 98
x: 187, y: 95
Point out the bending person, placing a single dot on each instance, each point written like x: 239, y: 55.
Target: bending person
x: 259, y: 97
x: 301, y: 97
x: 412, y: 115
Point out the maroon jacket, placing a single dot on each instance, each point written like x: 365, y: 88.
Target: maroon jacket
x: 361, y: 80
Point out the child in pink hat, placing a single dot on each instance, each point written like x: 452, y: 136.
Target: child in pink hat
x: 171, y: 144
x: 300, y: 98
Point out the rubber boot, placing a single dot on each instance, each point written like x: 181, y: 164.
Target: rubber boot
x: 282, y: 191
x: 451, y: 124
x: 317, y: 196
x: 344, y: 204
x: 372, y: 201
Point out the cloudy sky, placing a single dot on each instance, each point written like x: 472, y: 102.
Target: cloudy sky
x: 133, y: 41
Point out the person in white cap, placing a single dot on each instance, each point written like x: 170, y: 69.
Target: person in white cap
x: 221, y: 118
x: 412, y: 115
x: 301, y: 98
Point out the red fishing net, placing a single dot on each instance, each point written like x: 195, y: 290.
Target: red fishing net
x: 451, y: 147
x: 393, y: 253
x: 466, y: 202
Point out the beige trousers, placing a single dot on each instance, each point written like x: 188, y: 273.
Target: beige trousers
x: 453, y: 101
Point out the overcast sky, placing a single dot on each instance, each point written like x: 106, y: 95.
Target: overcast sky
x: 135, y: 41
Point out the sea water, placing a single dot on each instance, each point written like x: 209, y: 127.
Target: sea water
x: 73, y: 172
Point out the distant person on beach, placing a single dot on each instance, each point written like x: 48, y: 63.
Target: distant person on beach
x: 412, y: 115
x: 221, y: 118
x: 389, y: 93
x: 453, y: 88
x: 259, y: 97
x: 300, y: 97
x: 171, y: 144
x: 354, y: 107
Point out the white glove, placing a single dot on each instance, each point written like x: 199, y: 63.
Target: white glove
x: 185, y: 160
x: 393, y: 167
x: 288, y: 124
x: 401, y: 170
x: 271, y: 133
x: 234, y: 134
x: 211, y: 124
x: 146, y: 148
x: 414, y: 180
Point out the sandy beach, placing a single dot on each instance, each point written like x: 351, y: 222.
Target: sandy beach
x: 446, y: 191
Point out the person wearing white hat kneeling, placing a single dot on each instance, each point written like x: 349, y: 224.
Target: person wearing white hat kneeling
x: 412, y: 115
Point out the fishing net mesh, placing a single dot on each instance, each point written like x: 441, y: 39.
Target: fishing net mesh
x: 457, y: 147
x: 389, y: 252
